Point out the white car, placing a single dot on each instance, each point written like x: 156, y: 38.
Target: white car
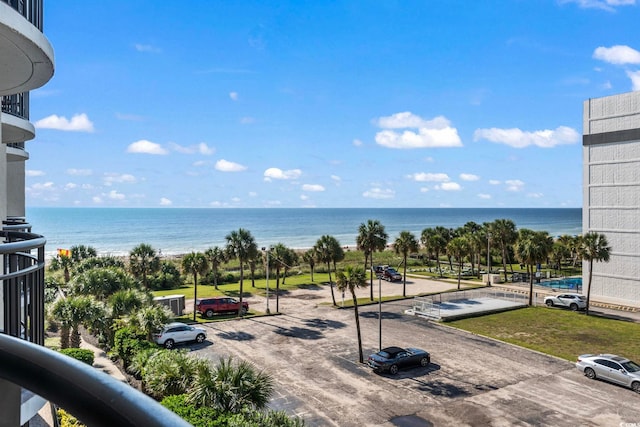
x: 177, y: 332
x: 572, y: 301
x: 612, y: 368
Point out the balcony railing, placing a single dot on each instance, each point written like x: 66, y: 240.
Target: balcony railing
x: 30, y: 9
x: 16, y: 105
x: 92, y: 396
x: 22, y: 282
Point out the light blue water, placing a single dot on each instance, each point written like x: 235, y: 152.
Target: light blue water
x: 175, y: 231
x: 573, y: 283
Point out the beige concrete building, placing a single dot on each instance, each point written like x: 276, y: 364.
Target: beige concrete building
x: 611, y: 199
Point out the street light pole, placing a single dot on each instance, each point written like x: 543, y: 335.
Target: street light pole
x: 379, y: 314
x: 488, y: 259
x: 268, y: 249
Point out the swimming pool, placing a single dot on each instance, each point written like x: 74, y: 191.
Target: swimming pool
x: 572, y: 283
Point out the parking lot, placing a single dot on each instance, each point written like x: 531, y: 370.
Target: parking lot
x: 311, y: 352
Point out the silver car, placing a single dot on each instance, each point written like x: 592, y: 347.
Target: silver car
x: 612, y: 368
x: 177, y: 332
x: 568, y: 300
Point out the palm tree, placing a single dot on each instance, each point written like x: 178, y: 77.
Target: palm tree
x: 143, y: 261
x: 593, y: 247
x: 64, y: 263
x: 351, y: 279
x: 128, y: 301
x: 503, y: 232
x: 309, y: 257
x: 458, y: 248
x: 559, y: 253
x: 230, y: 387
x: 477, y: 240
x: 82, y: 252
x: 435, y: 244
x: 278, y: 255
x: 82, y: 310
x: 102, y: 282
x: 216, y: 257
x: 532, y: 247
x: 196, y: 264
x: 371, y: 238
x: 61, y: 311
x: 241, y: 245
x: 404, y: 244
x: 324, y: 249
x: 152, y: 318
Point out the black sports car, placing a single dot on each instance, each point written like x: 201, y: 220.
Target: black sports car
x: 391, y: 359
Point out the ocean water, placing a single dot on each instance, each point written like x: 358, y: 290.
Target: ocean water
x: 115, y: 231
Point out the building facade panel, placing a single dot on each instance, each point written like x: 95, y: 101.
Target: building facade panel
x: 611, y: 202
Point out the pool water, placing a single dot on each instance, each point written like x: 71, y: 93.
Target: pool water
x: 573, y: 283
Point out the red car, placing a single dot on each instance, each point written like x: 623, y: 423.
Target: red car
x: 207, y: 307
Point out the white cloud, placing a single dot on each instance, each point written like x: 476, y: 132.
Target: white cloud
x: 429, y: 177
x: 39, y: 186
x: 96, y: 199
x: 312, y: 187
x: 519, y: 139
x: 233, y: 96
x: 201, y: 148
x: 113, y: 194
x: 116, y: 178
x: 608, y: 5
x: 514, y: 185
x: 494, y: 182
x: 407, y: 120
x: 70, y: 186
x: 226, y: 166
x: 424, y: 190
x: 79, y: 172
x: 431, y: 133
x: 146, y: 147
x: 379, y: 193
x: 469, y: 177
x: 357, y: 143
x: 618, y: 55
x: 165, y: 202
x: 635, y: 79
x: 199, y: 163
x: 236, y: 199
x: 276, y: 173
x: 31, y: 172
x: 336, y: 179
x: 484, y: 196
x: 253, y: 194
x: 146, y: 48
x: 78, y: 123
x: 304, y: 197
x: 535, y: 195
x: 448, y: 186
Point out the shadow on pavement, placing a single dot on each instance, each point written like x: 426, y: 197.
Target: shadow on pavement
x: 302, y: 333
x: 385, y: 315
x: 236, y: 336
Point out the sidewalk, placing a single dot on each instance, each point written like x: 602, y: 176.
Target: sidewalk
x: 103, y: 362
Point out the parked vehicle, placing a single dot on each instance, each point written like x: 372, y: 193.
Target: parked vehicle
x: 378, y: 270
x: 208, y: 307
x: 572, y: 301
x: 391, y: 359
x: 177, y: 332
x: 612, y: 368
x: 391, y: 275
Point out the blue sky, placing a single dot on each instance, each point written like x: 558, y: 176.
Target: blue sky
x: 324, y: 103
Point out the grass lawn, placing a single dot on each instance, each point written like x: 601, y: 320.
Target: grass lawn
x: 561, y: 333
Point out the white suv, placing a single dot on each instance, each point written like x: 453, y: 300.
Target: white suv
x: 177, y: 332
x: 571, y: 301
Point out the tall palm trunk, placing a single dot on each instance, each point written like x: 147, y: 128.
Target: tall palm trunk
x: 404, y: 278
x: 333, y: 296
x: 530, y: 271
x: 75, y: 336
x: 240, y: 311
x: 195, y: 296
x: 278, y: 288
x: 65, y: 331
x: 586, y: 310
x: 355, y: 311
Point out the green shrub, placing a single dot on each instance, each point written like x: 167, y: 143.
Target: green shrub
x: 81, y: 354
x: 127, y: 342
